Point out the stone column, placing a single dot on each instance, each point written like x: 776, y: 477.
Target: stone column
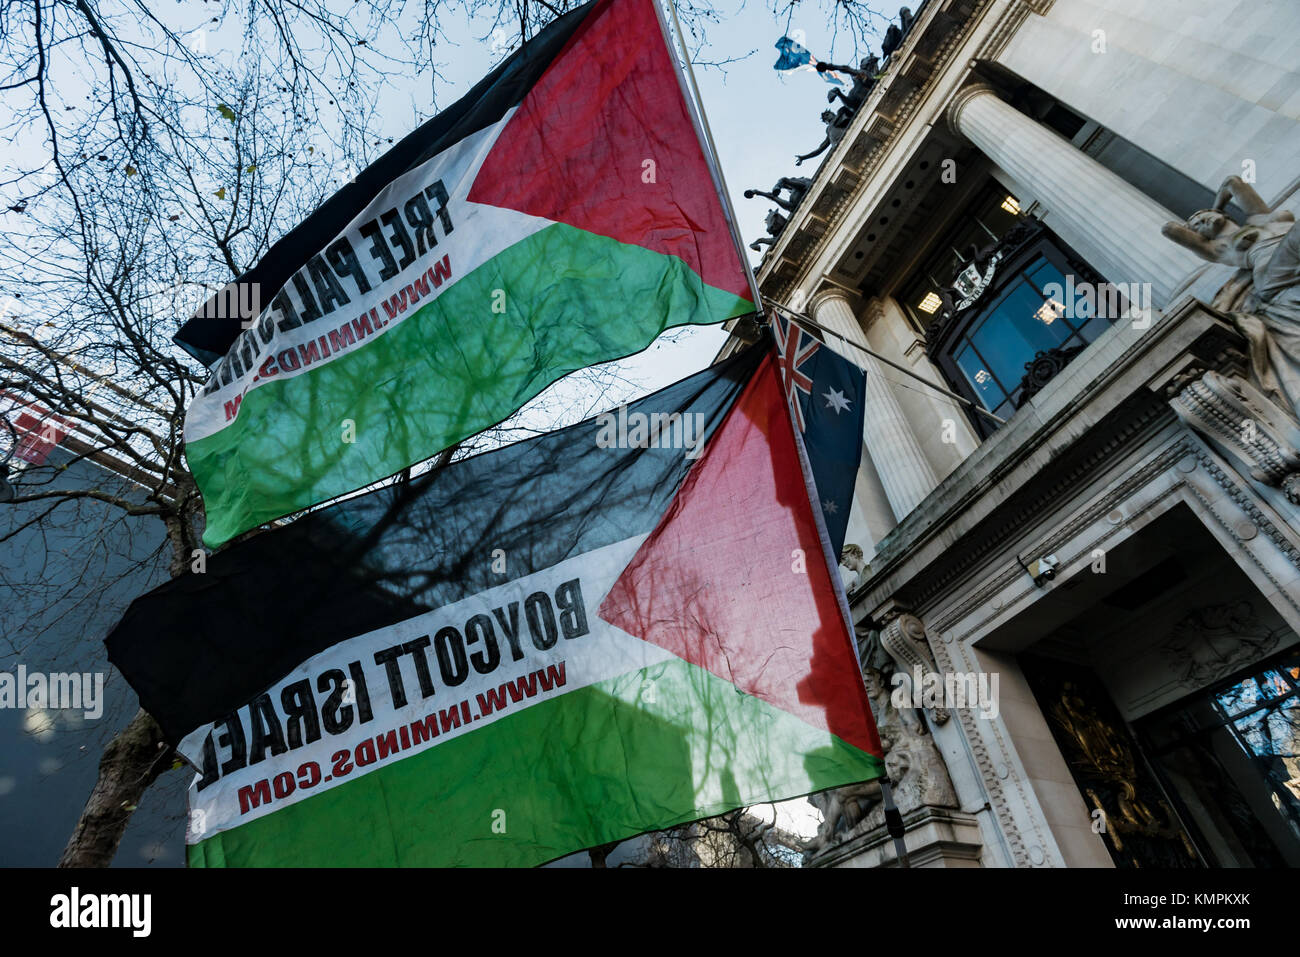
x: 1112, y: 224
x: 904, y: 470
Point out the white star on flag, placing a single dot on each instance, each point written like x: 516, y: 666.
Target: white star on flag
x: 830, y: 507
x: 836, y: 400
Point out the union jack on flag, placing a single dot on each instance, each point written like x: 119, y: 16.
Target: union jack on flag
x: 795, y: 347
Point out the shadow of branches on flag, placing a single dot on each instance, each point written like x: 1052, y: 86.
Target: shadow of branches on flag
x: 542, y: 648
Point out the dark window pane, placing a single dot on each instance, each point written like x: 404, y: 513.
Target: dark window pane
x: 1016, y: 330
x: 1043, y: 273
x: 981, y: 380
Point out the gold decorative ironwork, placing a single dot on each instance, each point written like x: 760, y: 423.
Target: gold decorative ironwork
x: 1102, y: 751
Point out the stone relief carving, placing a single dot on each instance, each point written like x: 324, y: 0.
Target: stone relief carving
x: 1243, y: 422
x: 1215, y: 641
x: 904, y: 641
x: 917, y: 773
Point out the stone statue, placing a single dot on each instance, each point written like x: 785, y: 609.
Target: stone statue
x: 797, y: 186
x: 775, y: 223
x: 864, y: 78
x: 905, y: 19
x: 852, y: 563
x: 836, y: 123
x: 893, y: 37
x: 843, y: 808
x: 1266, y: 248
x: 917, y: 772
x: 866, y: 70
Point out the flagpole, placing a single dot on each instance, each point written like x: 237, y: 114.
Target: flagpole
x: 893, y: 819
x: 894, y: 822
x: 804, y: 320
x: 705, y: 134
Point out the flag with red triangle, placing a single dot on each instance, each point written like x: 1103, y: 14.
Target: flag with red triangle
x: 616, y: 627
x: 562, y: 214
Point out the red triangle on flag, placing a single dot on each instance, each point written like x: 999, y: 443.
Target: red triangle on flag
x: 734, y: 578
x: 604, y: 142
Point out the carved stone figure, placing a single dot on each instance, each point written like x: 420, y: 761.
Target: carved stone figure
x: 893, y: 37
x: 865, y: 70
x: 852, y: 562
x: 836, y: 123
x: 775, y: 223
x: 1266, y: 248
x: 797, y: 186
x: 917, y: 773
x: 843, y: 809
x: 905, y: 19
x: 864, y: 78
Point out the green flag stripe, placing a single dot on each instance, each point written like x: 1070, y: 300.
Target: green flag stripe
x: 644, y: 751
x: 488, y: 344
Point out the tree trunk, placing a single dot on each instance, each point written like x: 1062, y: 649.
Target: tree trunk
x: 131, y: 762
x: 598, y: 854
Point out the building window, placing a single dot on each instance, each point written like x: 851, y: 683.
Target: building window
x: 990, y: 217
x: 1230, y: 757
x: 1026, y: 317
x: 1015, y: 314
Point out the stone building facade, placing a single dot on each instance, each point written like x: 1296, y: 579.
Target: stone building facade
x: 1097, y: 504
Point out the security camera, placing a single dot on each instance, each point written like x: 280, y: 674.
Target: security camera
x: 1040, y: 569
x: 1043, y: 569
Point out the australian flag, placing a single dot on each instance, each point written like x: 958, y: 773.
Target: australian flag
x: 825, y: 392
x: 795, y: 57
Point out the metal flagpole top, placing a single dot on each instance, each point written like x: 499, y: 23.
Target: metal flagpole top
x: 701, y: 122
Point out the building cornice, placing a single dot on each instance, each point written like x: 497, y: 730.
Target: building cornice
x: 819, y: 218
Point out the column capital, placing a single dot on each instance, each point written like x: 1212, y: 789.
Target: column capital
x: 826, y: 293
x: 958, y: 103
x: 875, y: 311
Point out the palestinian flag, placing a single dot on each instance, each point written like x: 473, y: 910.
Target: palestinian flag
x: 617, y: 627
x: 562, y: 214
